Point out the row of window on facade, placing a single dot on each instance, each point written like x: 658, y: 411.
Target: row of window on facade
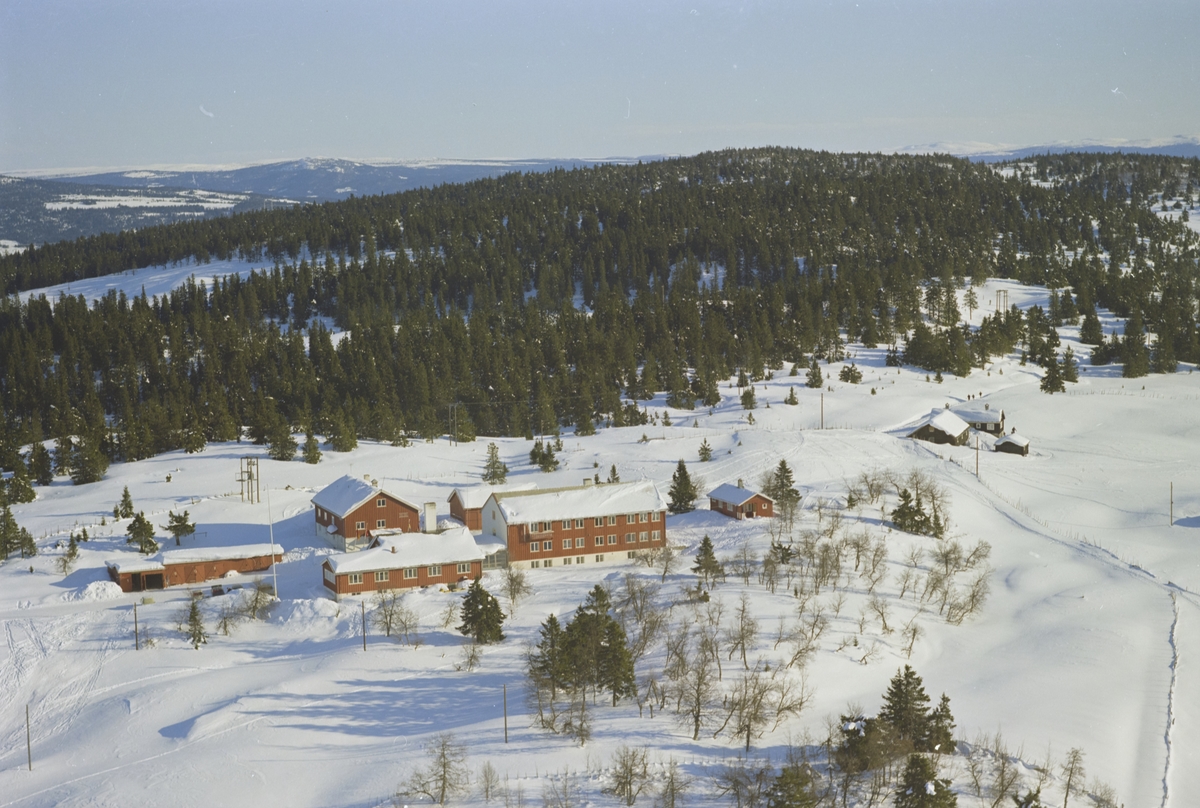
x: 566, y: 562
x: 598, y: 521
x: 568, y: 544
x: 409, y: 573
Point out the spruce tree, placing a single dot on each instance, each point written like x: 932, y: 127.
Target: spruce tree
x: 1069, y: 366
x: 343, y: 438
x: 613, y: 476
x: 124, y: 509
x: 1133, y: 348
x: 749, y: 400
x: 940, y: 735
x: 683, y: 493
x: 791, y: 397
x: 312, y: 448
x: 906, y: 707
x: 88, y: 463
x: 1091, y: 333
x: 20, y: 486
x: 615, y: 668
x: 141, y: 533
x: 192, y: 439
x: 482, y: 619
x: 494, y: 471
x: 196, y: 633
x: 281, y: 445
x: 814, y: 379
x: 41, y: 467
x: 705, y: 451
x: 548, y: 661
x: 794, y: 787
x: 920, y: 787
x: 1052, y: 382
x: 707, y: 567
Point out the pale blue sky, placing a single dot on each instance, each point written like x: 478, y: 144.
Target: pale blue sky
x: 109, y: 83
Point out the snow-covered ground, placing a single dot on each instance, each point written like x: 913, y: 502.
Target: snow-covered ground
x: 155, y: 280
x: 1087, y: 640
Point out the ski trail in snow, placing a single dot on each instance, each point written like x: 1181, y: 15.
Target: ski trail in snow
x: 1171, y: 701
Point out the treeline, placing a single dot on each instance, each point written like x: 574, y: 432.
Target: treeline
x: 542, y: 300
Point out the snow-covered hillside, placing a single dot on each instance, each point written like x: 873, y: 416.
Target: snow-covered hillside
x: 1086, y: 640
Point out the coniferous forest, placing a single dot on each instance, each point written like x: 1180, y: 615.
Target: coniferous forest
x: 563, y: 298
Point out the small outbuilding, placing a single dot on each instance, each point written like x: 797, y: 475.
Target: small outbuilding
x: 191, y: 566
x: 737, y: 502
x: 466, y: 504
x: 941, y: 426
x: 405, y: 560
x: 1013, y: 444
x: 349, y: 510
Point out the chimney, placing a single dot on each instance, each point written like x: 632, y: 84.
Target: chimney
x: 587, y: 482
x: 430, y: 517
x: 987, y: 406
x: 393, y: 548
x: 740, y: 485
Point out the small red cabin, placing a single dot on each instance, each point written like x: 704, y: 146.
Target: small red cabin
x: 739, y: 503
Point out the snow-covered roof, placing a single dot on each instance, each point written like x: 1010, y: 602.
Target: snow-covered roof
x: 400, y: 550
x: 1014, y: 439
x: 120, y: 565
x: 343, y: 495
x: 476, y: 496
x: 942, y: 420
x: 976, y: 414
x: 202, y: 555
x: 548, y: 504
x: 733, y: 494
x: 192, y: 555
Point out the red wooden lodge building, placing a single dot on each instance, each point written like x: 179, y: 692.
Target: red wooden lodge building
x: 587, y: 524
x: 404, y: 560
x: 349, y: 511
x: 466, y: 504
x: 191, y: 566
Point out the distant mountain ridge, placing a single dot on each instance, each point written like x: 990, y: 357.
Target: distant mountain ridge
x: 330, y: 179
x: 993, y: 153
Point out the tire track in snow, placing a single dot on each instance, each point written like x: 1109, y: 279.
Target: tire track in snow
x: 1171, y: 701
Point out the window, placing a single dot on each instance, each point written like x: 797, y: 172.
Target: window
x: 533, y: 565
x: 549, y: 563
x: 329, y: 576
x: 599, y: 558
x: 580, y: 541
x: 566, y: 544
x: 629, y: 538
x: 566, y: 524
x: 360, y: 525
x: 643, y: 536
x: 655, y: 535
x: 534, y: 546
x: 578, y: 523
x: 567, y: 560
x: 598, y: 521
x: 547, y: 546
x: 493, y: 514
x: 435, y: 571
x: 599, y: 541
x: 355, y: 578
x: 380, y: 577
x: 612, y: 520
x: 380, y: 523
x: 464, y: 568
x: 612, y: 538
x: 643, y: 516
x: 381, y: 503
x: 654, y: 517
x: 579, y: 559
x: 410, y: 573
x: 631, y: 554
x: 630, y: 518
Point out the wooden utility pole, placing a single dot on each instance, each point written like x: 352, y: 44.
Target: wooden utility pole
x: 1172, y: 504
x: 506, y: 713
x: 822, y: 410
x: 137, y: 644
x: 976, y: 457
x: 28, y: 743
x: 364, y: 619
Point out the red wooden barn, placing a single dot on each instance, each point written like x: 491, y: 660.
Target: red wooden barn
x: 348, y: 510
x: 191, y: 566
x: 740, y: 503
x: 588, y: 524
